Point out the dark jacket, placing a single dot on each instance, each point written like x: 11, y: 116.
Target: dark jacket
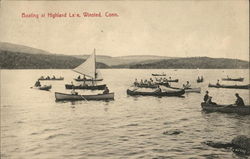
x: 239, y: 102
x: 206, y: 97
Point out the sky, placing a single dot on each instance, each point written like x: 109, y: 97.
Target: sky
x: 182, y: 28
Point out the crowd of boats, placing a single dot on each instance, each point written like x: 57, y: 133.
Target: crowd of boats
x: 159, y: 86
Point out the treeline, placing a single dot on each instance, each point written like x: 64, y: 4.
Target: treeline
x: 15, y: 60
x: 192, y: 63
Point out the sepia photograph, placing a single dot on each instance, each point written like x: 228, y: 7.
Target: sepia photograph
x: 124, y: 79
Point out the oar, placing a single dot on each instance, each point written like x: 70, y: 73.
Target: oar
x: 83, y: 98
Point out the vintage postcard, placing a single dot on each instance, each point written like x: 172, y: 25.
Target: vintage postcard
x: 124, y: 79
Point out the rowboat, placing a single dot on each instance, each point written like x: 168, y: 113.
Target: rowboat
x: 81, y: 79
x: 188, y: 90
x: 244, y: 110
x: 233, y: 79
x: 146, y: 85
x: 195, y: 90
x: 199, y: 80
x: 44, y: 87
x: 168, y: 80
x: 156, y: 74
x: 91, y: 87
x: 156, y: 92
x: 51, y: 79
x: 230, y: 86
x: 64, y: 96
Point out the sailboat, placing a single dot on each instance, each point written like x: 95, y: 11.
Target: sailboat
x: 88, y: 68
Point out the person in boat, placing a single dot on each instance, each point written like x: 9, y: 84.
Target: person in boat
x: 141, y: 83
x: 199, y: 78
x: 188, y: 85
x: 37, y: 84
x: 53, y: 77
x: 165, y: 80
x: 167, y: 84
x: 239, y: 101
x: 106, y: 90
x: 47, y: 77
x: 158, y: 88
x: 73, y: 92
x: 218, y: 83
x: 41, y: 77
x: 136, y: 82
x: 169, y: 78
x: 208, y: 99
x: 79, y: 77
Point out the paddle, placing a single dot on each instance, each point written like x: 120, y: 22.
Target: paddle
x: 83, y: 98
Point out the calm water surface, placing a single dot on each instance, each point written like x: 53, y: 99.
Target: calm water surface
x: 33, y: 125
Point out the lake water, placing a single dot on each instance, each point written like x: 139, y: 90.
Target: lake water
x: 33, y: 125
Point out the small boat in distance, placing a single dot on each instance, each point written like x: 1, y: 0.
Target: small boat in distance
x: 233, y: 79
x: 51, y: 79
x: 243, y: 110
x: 44, y: 87
x: 64, y: 96
x: 200, y: 79
x: 156, y: 74
x: 230, y: 86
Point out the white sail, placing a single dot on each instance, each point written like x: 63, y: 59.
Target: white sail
x: 98, y: 74
x: 88, y: 68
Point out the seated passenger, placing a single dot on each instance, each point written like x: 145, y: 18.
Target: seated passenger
x: 188, y: 85
x: 106, y: 90
x: 218, y: 83
x: 73, y: 92
x: 37, y: 84
x: 239, y: 101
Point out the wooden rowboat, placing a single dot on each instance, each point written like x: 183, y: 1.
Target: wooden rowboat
x: 199, y: 80
x: 51, y: 79
x: 155, y: 74
x: 244, y: 110
x: 195, y: 90
x: 44, y: 87
x: 233, y: 79
x: 230, y: 86
x: 188, y: 90
x: 64, y: 96
x: 91, y: 87
x: 156, y: 93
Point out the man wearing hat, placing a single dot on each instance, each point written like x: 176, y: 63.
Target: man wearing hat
x: 239, y: 101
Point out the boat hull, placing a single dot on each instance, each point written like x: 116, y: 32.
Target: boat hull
x: 156, y: 93
x: 146, y: 86
x: 230, y: 86
x: 81, y: 80
x: 194, y: 90
x: 199, y: 81
x: 244, y: 110
x: 233, y: 79
x: 154, y: 74
x: 95, y: 87
x: 51, y: 79
x: 44, y: 88
x: 64, y: 96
